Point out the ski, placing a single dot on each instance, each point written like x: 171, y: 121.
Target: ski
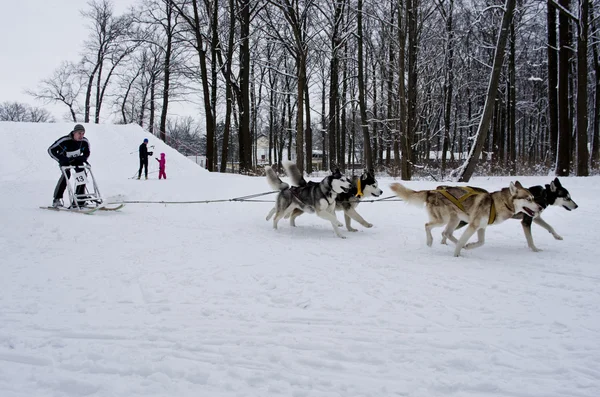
x: 85, y: 210
x: 107, y: 208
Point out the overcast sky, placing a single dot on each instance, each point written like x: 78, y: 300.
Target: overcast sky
x: 35, y: 37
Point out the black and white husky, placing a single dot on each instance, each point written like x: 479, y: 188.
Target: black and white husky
x: 360, y: 187
x: 552, y: 194
x: 313, y: 197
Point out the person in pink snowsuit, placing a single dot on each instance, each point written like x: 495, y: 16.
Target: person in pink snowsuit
x: 161, y: 166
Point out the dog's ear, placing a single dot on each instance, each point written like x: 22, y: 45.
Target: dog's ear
x: 557, y: 182
x: 513, y: 188
x: 554, y: 186
x: 518, y: 184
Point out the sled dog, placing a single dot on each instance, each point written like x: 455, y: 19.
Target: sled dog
x: 552, y: 194
x: 361, y: 187
x: 474, y: 206
x: 313, y: 197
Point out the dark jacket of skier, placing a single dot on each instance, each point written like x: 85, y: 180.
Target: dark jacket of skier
x: 68, y: 151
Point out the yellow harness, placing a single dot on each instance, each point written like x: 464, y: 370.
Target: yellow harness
x: 470, y: 192
x: 359, y: 193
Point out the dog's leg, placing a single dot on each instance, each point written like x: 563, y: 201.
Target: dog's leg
x: 469, y: 231
x: 526, y: 223
x: 448, y: 232
x: 282, y: 214
x: 277, y: 218
x: 542, y: 223
x: 331, y: 218
x: 458, y: 226
x: 480, y: 240
x: 272, y: 212
x: 430, y: 225
x: 295, y: 214
x: 348, y: 221
x: 356, y: 216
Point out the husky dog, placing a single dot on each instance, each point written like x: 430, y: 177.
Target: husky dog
x: 361, y: 187
x: 475, y: 206
x: 313, y: 197
x: 552, y: 194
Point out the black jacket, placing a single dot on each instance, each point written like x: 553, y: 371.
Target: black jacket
x: 144, y: 153
x: 68, y: 151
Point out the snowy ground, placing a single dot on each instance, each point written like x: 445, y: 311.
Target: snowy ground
x: 209, y: 300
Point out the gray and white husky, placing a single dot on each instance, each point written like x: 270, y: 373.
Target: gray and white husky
x: 361, y: 187
x: 475, y: 206
x: 313, y: 197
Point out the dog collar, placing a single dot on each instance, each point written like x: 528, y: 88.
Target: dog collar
x: 359, y: 192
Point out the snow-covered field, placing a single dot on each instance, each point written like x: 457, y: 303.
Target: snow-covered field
x: 209, y: 300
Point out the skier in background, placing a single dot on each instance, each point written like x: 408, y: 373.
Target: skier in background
x: 144, y: 153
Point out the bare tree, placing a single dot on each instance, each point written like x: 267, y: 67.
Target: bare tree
x: 16, y: 111
x: 105, y: 48
x: 467, y: 169
x: 296, y: 39
x: 63, y: 87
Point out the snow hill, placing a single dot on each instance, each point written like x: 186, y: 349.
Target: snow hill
x: 209, y: 300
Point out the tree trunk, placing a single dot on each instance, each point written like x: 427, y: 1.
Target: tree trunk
x: 333, y: 91
x: 412, y: 7
x: 563, y: 158
x: 405, y: 142
x: 448, y: 84
x: 245, y: 140
x: 468, y: 167
x: 582, y: 94
x: 595, y: 155
x: 301, y: 76
x: 166, y: 73
x: 512, y: 105
x: 368, y: 156
x: 552, y: 79
x: 308, y: 132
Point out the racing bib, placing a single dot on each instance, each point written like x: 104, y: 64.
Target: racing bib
x: 80, y: 178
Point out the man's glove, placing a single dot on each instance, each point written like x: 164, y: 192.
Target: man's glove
x: 150, y: 153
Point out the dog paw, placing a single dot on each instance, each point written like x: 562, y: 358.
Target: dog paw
x: 368, y: 225
x: 535, y: 249
x: 469, y: 246
x: 340, y: 224
x: 444, y: 241
x: 351, y: 229
x: 557, y: 236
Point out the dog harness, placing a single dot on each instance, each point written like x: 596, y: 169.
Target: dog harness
x: 470, y: 192
x: 359, y: 193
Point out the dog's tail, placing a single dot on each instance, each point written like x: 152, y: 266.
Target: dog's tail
x: 291, y: 169
x: 274, y: 181
x: 410, y: 196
